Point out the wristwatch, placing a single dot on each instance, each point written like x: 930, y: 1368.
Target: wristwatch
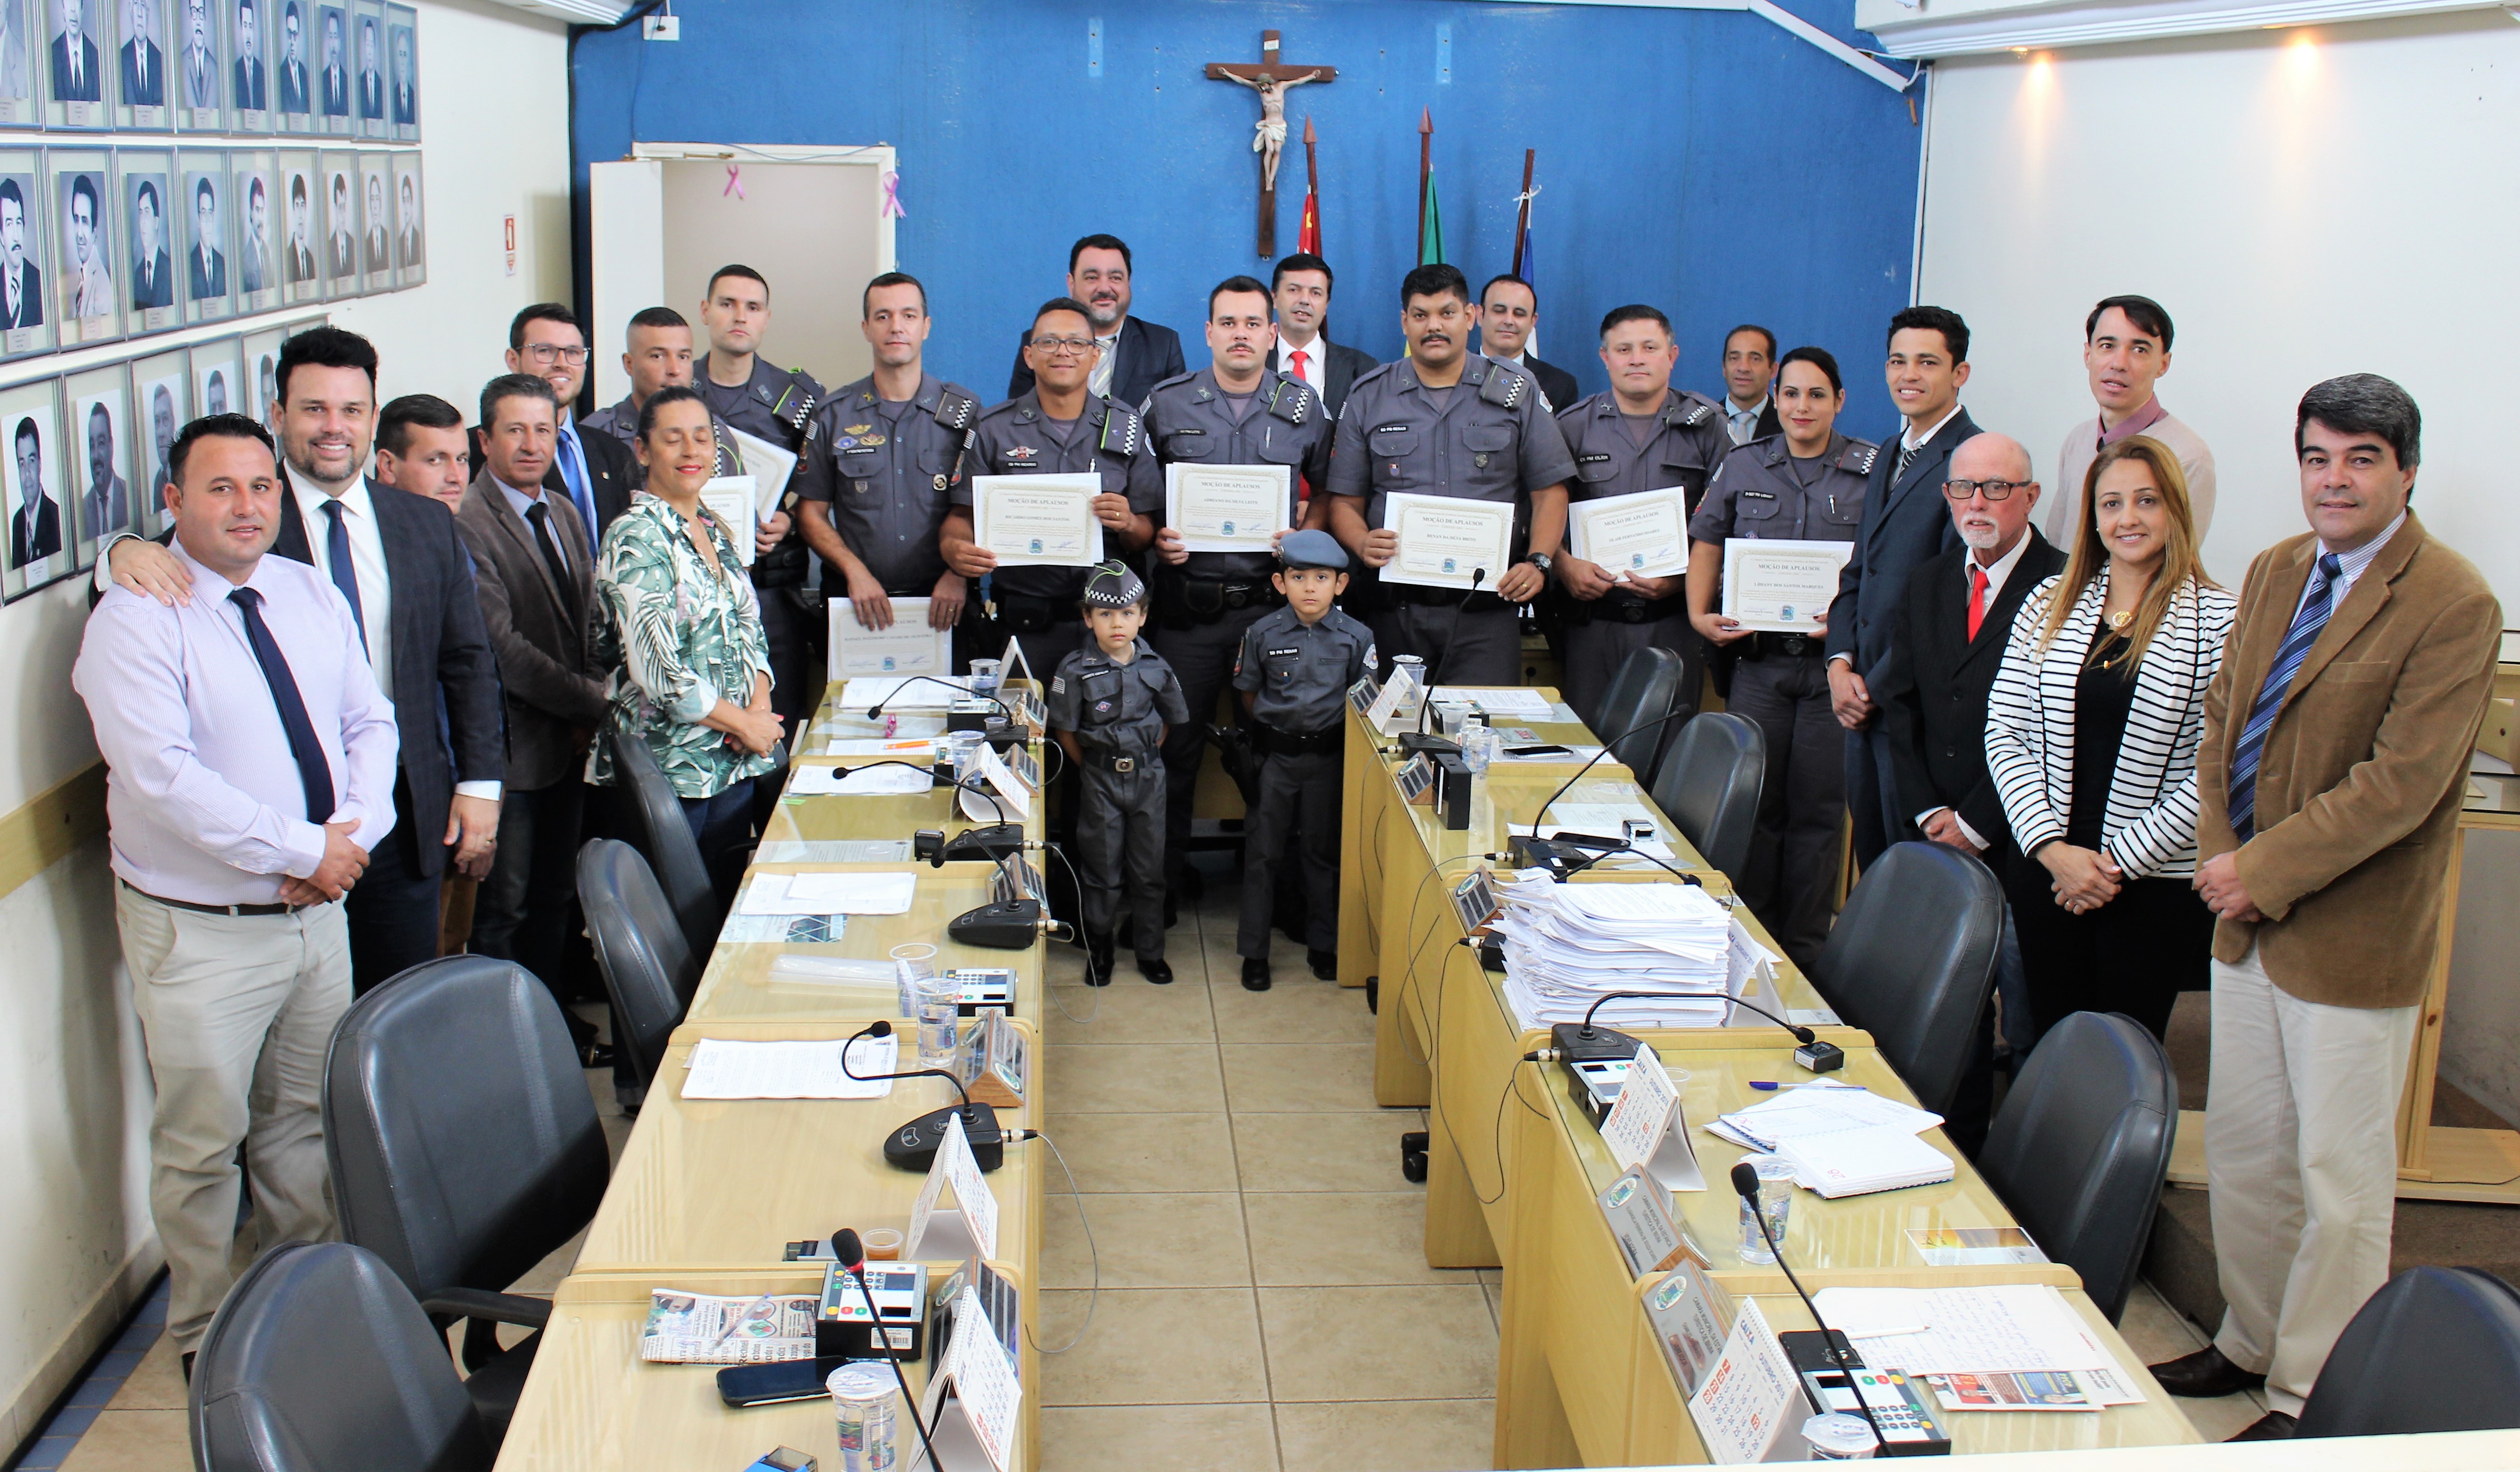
x: 1542, y: 560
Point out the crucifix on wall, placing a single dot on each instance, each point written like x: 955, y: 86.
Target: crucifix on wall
x: 1269, y: 136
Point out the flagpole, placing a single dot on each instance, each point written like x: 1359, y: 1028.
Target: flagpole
x: 1522, y: 218
x: 1425, y: 172
x: 1312, y: 188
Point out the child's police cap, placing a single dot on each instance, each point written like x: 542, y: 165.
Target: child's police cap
x: 1113, y: 586
x: 1312, y: 549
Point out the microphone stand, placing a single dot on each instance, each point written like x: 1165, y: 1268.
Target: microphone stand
x: 855, y: 1248
x: 1745, y: 1180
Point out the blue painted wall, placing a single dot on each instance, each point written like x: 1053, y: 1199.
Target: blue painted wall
x: 1705, y: 161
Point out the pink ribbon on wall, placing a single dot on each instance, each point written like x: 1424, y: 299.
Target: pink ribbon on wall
x: 892, y: 197
x: 733, y: 183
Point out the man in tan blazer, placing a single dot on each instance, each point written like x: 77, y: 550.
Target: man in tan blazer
x: 537, y: 583
x: 2332, y: 772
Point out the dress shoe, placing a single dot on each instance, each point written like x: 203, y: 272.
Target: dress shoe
x: 188, y: 1366
x: 1155, y: 970
x: 1324, y: 963
x: 1097, y: 958
x: 595, y: 1055
x: 1255, y: 975
x: 2274, y: 1426
x: 2204, y: 1375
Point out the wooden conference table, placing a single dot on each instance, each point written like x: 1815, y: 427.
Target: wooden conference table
x: 707, y: 1193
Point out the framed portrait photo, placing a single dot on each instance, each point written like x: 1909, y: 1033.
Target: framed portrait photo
x: 43, y: 531
x: 376, y: 222
x: 97, y: 420
x: 331, y: 70
x: 209, y: 235
x: 26, y: 308
x: 410, y: 228
x: 402, y: 73
x: 299, y: 181
x: 218, y: 369
x: 148, y: 263
x: 200, y: 66
x: 141, y: 87
x: 339, y: 176
x: 77, y: 45
x: 87, y: 299
x: 248, y: 65
x: 257, y: 227
x: 293, y: 65
x: 367, y: 69
x: 20, y: 58
x: 161, y: 405
x: 262, y: 374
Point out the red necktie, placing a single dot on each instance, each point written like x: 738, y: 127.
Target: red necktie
x: 1977, y: 600
x: 1297, y: 357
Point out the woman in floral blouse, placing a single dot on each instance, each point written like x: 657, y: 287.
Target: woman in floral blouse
x: 682, y: 632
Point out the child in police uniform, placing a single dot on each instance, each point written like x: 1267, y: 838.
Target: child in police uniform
x: 1111, y: 702
x: 1294, y: 669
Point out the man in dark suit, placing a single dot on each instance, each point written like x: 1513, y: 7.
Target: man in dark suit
x: 398, y: 562
x: 336, y: 75
x: 143, y: 66
x: 21, y: 285
x: 208, y: 264
x: 371, y: 77
x: 249, y: 95
x: 74, y: 74
x: 1509, y: 311
x: 1749, y: 376
x: 406, y: 105
x: 153, y: 271
x: 1136, y: 355
x: 301, y: 249
x: 537, y: 586
x: 595, y: 474
x: 35, y: 531
x: 293, y: 60
x: 1905, y: 523
x: 1300, y: 290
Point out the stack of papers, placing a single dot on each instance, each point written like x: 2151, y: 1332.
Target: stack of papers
x: 2016, y: 1346
x: 1842, y: 1141
x: 829, y: 894
x: 1508, y: 700
x: 1565, y: 944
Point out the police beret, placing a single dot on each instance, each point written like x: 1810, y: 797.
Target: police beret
x: 1113, y: 586
x: 1312, y: 549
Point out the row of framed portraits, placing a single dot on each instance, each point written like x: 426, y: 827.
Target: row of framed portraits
x: 87, y: 450
x: 98, y: 245
x: 315, y: 68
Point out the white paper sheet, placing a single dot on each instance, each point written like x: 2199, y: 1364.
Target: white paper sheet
x: 916, y: 692
x: 724, y: 1069
x: 2004, y: 1329
x: 1502, y: 700
x: 829, y: 894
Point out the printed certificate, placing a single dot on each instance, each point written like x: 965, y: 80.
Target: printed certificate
x: 1445, y: 540
x: 1228, y: 508
x: 1038, y: 520
x: 907, y: 647
x: 1782, y: 586
x: 733, y: 498
x: 1642, y: 534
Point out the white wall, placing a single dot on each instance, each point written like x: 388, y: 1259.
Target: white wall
x: 2306, y: 202
x: 74, y: 1227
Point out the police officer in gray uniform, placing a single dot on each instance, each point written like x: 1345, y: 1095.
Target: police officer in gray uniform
x: 1642, y: 435
x: 1446, y: 422
x: 1237, y: 411
x: 1058, y: 426
x: 775, y: 404
x: 1294, y: 668
x: 879, y: 468
x: 1110, y: 704
x: 1804, y: 484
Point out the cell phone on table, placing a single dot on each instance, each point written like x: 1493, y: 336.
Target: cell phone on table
x: 783, y: 1459
x: 1545, y: 749
x: 742, y: 1385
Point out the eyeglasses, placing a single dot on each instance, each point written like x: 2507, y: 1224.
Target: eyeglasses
x: 548, y: 353
x: 1062, y: 347
x: 1992, y: 490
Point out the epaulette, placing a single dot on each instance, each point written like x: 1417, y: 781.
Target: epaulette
x: 1697, y: 416
x: 1505, y: 386
x: 1122, y: 430
x: 794, y: 405
x: 1179, y: 378
x: 1291, y: 400
x: 956, y: 409
x: 1001, y: 406
x: 1364, y: 378
x: 1859, y: 456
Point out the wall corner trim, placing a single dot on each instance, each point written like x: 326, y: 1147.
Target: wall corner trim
x: 55, y: 821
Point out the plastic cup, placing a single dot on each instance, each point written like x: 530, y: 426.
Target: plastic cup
x: 939, y: 999
x: 987, y: 675
x: 911, y: 963
x: 883, y: 1244
x: 1838, y: 1437
x: 1776, y: 1203
x: 863, y: 1400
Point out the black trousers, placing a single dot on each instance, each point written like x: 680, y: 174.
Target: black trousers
x: 1871, y: 790
x: 1478, y: 644
x: 784, y: 628
x: 392, y: 910
x: 1790, y: 879
x: 1293, y: 843
x: 528, y: 909
x: 2134, y: 954
x: 1202, y: 656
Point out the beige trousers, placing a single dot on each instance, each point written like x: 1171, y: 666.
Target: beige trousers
x: 2301, y: 1155
x: 236, y: 1013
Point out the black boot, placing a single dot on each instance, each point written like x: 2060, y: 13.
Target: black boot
x: 1255, y: 975
x: 1097, y: 958
x: 1324, y: 963
x: 1155, y: 970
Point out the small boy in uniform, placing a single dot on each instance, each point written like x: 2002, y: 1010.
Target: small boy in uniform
x: 1111, y: 702
x: 1294, y: 669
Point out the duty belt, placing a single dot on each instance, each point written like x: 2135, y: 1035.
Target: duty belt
x: 1114, y: 761
x: 1205, y: 601
x: 1611, y: 610
x: 1274, y: 743
x: 1450, y: 598
x: 1790, y: 646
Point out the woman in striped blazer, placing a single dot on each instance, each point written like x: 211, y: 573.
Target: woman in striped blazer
x: 2092, y: 734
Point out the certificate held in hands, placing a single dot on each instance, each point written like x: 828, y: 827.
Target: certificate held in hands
x: 1038, y: 520
x: 1781, y: 584
x: 1228, y: 508
x: 1642, y: 534
x: 1448, y: 542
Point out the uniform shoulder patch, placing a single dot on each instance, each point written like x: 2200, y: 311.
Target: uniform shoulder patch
x: 956, y: 409
x: 1505, y: 386
x: 1121, y: 430
x: 1859, y: 457
x: 1291, y: 400
x: 1058, y: 685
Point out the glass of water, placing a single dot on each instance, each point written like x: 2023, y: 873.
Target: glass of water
x: 1776, y: 1203
x: 987, y: 675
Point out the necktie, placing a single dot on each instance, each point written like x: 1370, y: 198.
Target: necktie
x: 313, y: 771
x: 1977, y: 600
x: 346, y: 572
x: 1907, y: 457
x: 2317, y: 602
x: 1101, y: 379
x: 1743, y: 422
x: 572, y: 471
x: 540, y: 516
x: 1298, y: 358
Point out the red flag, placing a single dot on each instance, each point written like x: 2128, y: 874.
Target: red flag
x: 1308, y: 235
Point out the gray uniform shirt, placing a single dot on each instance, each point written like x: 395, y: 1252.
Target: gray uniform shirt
x: 1757, y: 493
x: 1298, y: 673
x: 1116, y: 708
x: 1190, y: 422
x: 774, y: 404
x: 889, y: 473
x: 1489, y: 440
x: 1685, y: 448
x: 1015, y: 438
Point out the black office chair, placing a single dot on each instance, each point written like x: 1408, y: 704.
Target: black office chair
x: 2436, y: 1349
x: 318, y: 1361
x: 648, y: 972
x: 1911, y: 961
x: 2081, y: 1145
x: 657, y: 830
x: 1709, y: 786
x: 1646, y: 686
x: 465, y: 1149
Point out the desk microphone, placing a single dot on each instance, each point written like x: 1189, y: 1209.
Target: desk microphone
x: 913, y: 1147
x: 1745, y: 1180
x: 1012, y: 925
x: 1606, y: 748
x: 875, y: 711
x: 1584, y: 1043
x: 850, y: 1254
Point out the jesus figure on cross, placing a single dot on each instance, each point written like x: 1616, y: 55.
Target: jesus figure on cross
x: 1269, y: 134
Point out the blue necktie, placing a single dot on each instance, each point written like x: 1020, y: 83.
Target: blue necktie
x: 345, y: 573
x: 572, y: 471
x: 313, y: 771
x: 2317, y: 602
